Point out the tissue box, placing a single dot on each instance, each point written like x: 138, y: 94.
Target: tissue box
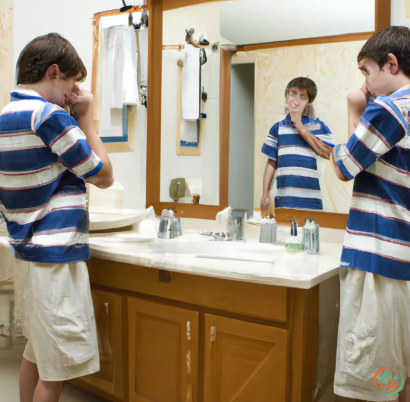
x: 108, y: 201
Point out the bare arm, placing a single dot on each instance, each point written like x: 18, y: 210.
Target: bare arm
x: 357, y: 100
x: 83, y: 111
x: 356, y: 103
x: 267, y: 182
x: 318, y: 146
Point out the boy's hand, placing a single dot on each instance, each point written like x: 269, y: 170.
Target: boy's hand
x: 265, y: 203
x: 296, y: 116
x: 82, y: 102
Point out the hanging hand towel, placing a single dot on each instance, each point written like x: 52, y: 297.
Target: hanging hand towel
x: 130, y: 86
x: 121, y: 65
x: 143, y: 40
x: 190, y: 89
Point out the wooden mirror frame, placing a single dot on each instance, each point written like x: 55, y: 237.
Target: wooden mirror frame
x: 112, y: 146
x: 156, y: 8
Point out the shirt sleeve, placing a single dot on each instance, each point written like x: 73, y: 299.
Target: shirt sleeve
x: 270, y: 146
x: 59, y: 131
x: 379, y: 130
x: 326, y: 135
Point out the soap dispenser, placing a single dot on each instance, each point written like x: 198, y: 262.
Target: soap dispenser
x: 294, y: 242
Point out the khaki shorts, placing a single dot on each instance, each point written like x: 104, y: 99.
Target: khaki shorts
x: 374, y: 334
x: 58, y: 321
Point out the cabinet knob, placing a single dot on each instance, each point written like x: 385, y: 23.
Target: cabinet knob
x: 107, y: 307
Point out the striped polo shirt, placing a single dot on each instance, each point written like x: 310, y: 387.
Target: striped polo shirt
x: 377, y: 236
x: 44, y: 157
x: 297, y: 178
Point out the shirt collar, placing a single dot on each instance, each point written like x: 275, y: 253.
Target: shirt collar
x: 305, y: 119
x: 25, y: 94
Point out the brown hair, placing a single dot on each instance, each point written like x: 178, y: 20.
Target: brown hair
x: 395, y: 40
x: 43, y: 52
x: 303, y: 83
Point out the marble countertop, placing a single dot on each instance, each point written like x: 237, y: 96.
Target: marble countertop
x: 198, y: 255
x: 191, y: 254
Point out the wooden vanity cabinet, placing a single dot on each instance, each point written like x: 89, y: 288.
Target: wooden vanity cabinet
x: 172, y: 336
x: 244, y: 361
x: 163, y: 352
x: 111, y: 381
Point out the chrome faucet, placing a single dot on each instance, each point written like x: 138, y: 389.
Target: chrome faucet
x: 169, y: 226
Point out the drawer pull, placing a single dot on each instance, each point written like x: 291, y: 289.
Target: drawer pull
x: 188, y: 330
x: 188, y: 361
x: 107, y: 307
x: 213, y: 334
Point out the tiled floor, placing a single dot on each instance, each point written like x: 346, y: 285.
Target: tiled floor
x: 10, y: 360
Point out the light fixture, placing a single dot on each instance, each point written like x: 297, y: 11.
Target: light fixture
x: 125, y: 8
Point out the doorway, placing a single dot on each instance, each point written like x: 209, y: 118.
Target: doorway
x: 242, y: 138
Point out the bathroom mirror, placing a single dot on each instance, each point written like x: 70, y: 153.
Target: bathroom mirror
x: 190, y: 101
x: 119, y: 79
x: 273, y: 43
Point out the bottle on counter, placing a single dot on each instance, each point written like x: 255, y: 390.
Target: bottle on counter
x: 294, y: 242
x: 311, y: 237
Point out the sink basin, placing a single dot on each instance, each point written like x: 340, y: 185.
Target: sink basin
x: 194, y: 245
x: 253, y: 252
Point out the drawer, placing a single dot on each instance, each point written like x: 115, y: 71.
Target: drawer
x: 242, y: 298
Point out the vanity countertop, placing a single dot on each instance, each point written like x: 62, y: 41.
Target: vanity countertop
x: 297, y: 270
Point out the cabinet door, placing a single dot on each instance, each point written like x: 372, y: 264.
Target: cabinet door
x: 244, y: 362
x: 163, y: 350
x: 108, y: 309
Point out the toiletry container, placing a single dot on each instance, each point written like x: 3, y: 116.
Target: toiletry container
x: 311, y: 237
x: 268, y: 229
x: 294, y: 242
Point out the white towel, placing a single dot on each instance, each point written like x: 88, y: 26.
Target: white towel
x: 143, y: 42
x: 190, y: 89
x: 120, y: 63
x: 189, y: 130
x: 130, y: 86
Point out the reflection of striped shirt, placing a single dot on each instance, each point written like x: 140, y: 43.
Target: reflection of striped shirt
x: 378, y: 156
x: 297, y: 177
x: 43, y: 155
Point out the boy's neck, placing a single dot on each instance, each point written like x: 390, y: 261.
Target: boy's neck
x: 400, y: 82
x: 38, y: 87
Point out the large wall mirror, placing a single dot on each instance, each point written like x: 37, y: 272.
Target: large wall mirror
x: 224, y: 70
x: 190, y: 101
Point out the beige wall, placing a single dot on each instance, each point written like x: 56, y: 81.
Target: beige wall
x: 6, y: 51
x: 333, y: 67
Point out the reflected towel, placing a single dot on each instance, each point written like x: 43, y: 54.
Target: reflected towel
x: 120, y: 47
x: 189, y: 131
x: 190, y: 88
x: 143, y: 42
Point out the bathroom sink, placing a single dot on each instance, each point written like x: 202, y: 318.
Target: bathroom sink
x: 193, y: 246
x: 240, y: 251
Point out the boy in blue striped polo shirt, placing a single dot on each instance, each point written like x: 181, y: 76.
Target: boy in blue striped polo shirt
x: 374, y: 327
x: 292, y: 147
x: 46, y: 157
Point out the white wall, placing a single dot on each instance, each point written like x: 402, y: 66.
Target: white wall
x: 73, y: 20
x: 203, y: 18
x: 258, y: 21
x: 399, y: 14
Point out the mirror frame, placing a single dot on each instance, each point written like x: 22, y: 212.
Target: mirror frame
x: 128, y: 142
x: 156, y: 8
